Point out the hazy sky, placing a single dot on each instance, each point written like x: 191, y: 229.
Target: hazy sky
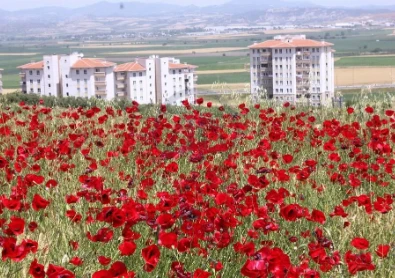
x: 26, y: 4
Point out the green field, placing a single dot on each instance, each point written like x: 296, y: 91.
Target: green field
x: 217, y: 63
x: 387, y: 61
x: 347, y: 43
x: 240, y: 77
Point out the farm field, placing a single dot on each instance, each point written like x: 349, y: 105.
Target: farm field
x: 197, y: 191
x: 366, y: 61
x: 350, y: 76
x: 225, y: 52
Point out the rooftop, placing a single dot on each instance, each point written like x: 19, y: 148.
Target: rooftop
x: 290, y: 42
x: 33, y: 65
x: 133, y: 66
x: 181, y: 66
x: 89, y: 63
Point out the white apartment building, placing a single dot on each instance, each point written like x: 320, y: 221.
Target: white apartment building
x: 1, y: 82
x: 293, y: 69
x: 146, y: 80
x: 137, y: 81
x: 175, y: 81
x: 156, y: 80
x: 32, y: 78
x: 69, y: 75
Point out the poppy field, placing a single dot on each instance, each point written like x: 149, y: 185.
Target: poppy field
x: 197, y: 191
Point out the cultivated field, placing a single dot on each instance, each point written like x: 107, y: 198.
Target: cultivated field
x: 350, y: 76
x: 219, y: 58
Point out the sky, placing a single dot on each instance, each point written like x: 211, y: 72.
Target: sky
x: 27, y: 4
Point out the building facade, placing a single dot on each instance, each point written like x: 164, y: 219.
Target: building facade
x: 293, y: 69
x: 151, y: 80
x: 1, y: 81
x: 156, y: 80
x: 69, y: 75
x: 136, y: 81
x: 175, y: 81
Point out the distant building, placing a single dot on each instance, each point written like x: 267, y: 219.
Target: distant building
x: 174, y: 81
x: 69, y: 75
x: 1, y: 82
x: 156, y: 80
x: 293, y: 69
x: 136, y: 81
x: 146, y: 80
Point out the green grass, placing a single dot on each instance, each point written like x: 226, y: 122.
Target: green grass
x: 366, y: 61
x: 242, y: 77
x: 217, y: 63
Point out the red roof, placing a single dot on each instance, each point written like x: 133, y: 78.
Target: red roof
x: 134, y: 66
x: 291, y: 44
x: 88, y: 63
x: 181, y: 66
x: 34, y: 65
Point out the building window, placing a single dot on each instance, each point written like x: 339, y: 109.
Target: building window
x: 39, y: 90
x: 38, y: 72
x: 31, y: 81
x: 85, y: 72
x: 77, y: 72
x: 140, y: 74
x: 134, y: 74
x: 49, y: 85
x: 67, y: 94
x: 67, y: 76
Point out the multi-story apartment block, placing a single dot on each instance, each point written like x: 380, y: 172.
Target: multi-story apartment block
x: 146, y: 80
x: 1, y: 82
x: 137, y: 81
x: 87, y: 77
x: 175, y: 81
x: 156, y: 80
x: 32, y: 78
x: 69, y: 75
x: 293, y: 69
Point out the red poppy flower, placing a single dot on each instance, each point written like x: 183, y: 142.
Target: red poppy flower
x: 16, y: 226
x: 151, y: 256
x: 383, y: 250
x: 39, y: 203
x: 76, y: 261
x: 104, y: 260
x: 127, y: 248
x: 358, y: 262
x: 36, y: 270
x: 168, y: 240
x: 360, y: 243
x: 291, y: 212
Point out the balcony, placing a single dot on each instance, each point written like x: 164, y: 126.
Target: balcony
x: 100, y: 92
x: 100, y: 83
x: 266, y: 54
x: 195, y: 78
x: 22, y: 74
x: 120, y: 94
x: 120, y: 86
x: 100, y: 74
x: 121, y: 78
